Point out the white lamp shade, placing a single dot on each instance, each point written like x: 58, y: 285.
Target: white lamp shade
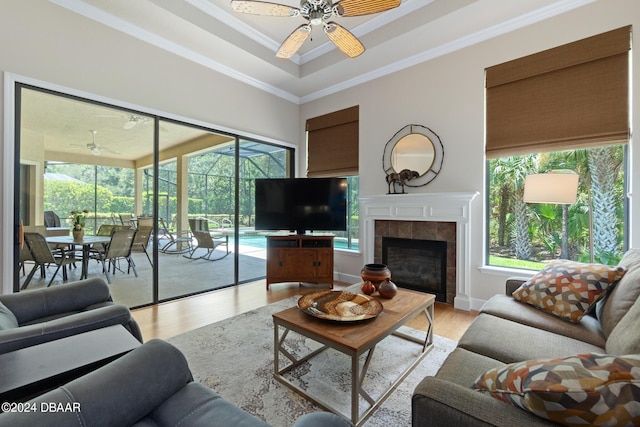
x: 556, y: 188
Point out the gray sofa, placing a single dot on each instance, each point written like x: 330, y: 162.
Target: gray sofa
x: 150, y: 386
x: 33, y: 317
x: 508, y: 331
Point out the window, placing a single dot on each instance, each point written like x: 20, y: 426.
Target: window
x: 565, y: 109
x: 524, y: 235
x: 349, y: 239
x: 332, y: 151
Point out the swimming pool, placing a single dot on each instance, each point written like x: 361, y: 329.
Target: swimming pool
x: 260, y: 242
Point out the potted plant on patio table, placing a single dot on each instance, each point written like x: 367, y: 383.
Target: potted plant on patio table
x: 78, y: 219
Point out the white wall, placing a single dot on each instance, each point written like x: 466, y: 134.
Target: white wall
x: 44, y: 42
x: 447, y: 95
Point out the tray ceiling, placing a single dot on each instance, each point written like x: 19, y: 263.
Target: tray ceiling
x: 243, y: 46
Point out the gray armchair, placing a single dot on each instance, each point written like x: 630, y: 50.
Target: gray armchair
x: 150, y: 386
x: 41, y: 315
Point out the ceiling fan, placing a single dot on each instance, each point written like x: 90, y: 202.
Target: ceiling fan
x: 133, y: 120
x: 317, y: 12
x: 94, y: 148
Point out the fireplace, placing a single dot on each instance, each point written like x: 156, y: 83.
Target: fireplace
x: 421, y: 238
x: 417, y: 264
x: 441, y: 217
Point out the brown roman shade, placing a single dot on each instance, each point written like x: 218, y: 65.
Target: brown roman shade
x: 572, y: 96
x: 332, y: 144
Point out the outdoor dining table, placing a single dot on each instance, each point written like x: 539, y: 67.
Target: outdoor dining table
x: 86, y: 243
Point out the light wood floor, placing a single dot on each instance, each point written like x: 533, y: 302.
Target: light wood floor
x: 176, y: 317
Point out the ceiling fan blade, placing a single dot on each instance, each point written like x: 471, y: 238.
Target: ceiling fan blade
x: 294, y: 41
x: 263, y: 8
x: 364, y: 7
x: 343, y: 39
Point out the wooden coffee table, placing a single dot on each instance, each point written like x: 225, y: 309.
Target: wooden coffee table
x: 354, y: 339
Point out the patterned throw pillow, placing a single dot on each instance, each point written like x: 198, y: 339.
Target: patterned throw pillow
x: 587, y: 389
x: 568, y: 289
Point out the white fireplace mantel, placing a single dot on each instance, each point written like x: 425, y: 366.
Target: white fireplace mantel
x: 444, y: 207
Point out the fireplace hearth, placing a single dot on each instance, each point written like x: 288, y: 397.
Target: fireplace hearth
x: 417, y: 264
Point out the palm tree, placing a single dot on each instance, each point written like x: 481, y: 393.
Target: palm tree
x: 604, y: 165
x: 511, y: 172
x: 501, y: 189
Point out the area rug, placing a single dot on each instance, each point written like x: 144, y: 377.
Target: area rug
x: 235, y: 357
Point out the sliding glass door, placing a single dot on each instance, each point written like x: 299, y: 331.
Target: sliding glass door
x: 206, y: 202
x: 196, y: 205
x: 255, y: 160
x: 186, y: 190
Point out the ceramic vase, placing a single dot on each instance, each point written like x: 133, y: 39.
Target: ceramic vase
x: 375, y: 273
x: 387, y: 289
x: 367, y: 288
x: 78, y: 235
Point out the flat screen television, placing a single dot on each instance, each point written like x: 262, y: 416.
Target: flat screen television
x: 301, y: 204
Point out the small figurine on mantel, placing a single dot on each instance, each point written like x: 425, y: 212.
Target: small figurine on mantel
x: 394, y: 178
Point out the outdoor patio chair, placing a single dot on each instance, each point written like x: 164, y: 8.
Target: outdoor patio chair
x: 119, y: 248
x: 145, y: 230
x: 25, y: 256
x: 179, y: 241
x: 105, y: 230
x: 25, y: 253
x: 42, y: 255
x: 206, y: 240
x: 108, y: 229
x: 164, y: 232
x: 51, y: 219
x: 125, y: 219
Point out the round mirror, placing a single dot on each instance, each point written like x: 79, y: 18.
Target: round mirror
x: 414, y: 152
x: 412, y: 158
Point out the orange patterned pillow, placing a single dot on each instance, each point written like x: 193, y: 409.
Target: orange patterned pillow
x: 568, y: 289
x: 586, y: 389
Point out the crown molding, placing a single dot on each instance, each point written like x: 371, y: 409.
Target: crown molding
x: 446, y: 48
x: 223, y: 16
x: 89, y: 11
x: 98, y: 15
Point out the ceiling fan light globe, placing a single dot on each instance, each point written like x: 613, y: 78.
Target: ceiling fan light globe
x: 315, y: 17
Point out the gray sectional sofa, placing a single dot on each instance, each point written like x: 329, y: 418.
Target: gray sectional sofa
x: 508, y: 331
x: 150, y: 386
x: 41, y: 315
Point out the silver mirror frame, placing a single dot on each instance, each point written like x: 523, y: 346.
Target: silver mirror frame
x: 438, y: 157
